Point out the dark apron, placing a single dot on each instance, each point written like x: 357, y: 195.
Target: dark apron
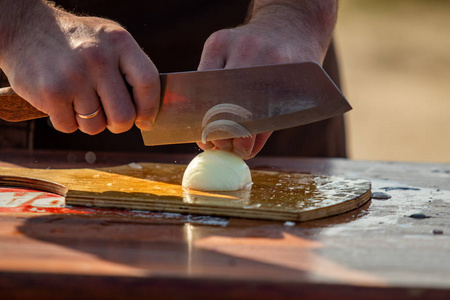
x: 172, y: 33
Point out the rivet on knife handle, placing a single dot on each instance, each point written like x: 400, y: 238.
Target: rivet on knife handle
x: 13, y: 108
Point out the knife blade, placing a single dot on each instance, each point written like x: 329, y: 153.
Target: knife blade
x: 255, y: 99
x: 277, y: 97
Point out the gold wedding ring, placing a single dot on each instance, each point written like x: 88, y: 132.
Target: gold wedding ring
x: 89, y: 116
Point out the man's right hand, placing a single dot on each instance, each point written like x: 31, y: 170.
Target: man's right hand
x: 66, y: 65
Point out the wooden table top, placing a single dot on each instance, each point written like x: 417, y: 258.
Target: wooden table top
x: 389, y: 248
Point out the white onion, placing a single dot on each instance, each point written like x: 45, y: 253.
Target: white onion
x: 217, y: 170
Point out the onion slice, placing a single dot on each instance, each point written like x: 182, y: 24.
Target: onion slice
x: 232, y: 127
x: 226, y: 108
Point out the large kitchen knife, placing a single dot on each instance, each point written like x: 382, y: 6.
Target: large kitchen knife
x: 226, y: 103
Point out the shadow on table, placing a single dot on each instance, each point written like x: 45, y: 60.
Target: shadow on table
x: 179, y: 259
x: 187, y: 246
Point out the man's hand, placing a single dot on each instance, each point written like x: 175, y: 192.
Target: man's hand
x: 278, y: 31
x: 66, y: 65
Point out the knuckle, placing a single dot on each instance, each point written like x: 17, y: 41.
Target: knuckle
x: 93, y: 130
x: 148, y: 78
x: 251, y: 45
x: 279, y: 55
x: 63, y: 126
x: 217, y: 40
x: 93, y: 54
x: 247, y: 46
x: 119, y: 35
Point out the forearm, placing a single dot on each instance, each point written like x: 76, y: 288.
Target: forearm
x: 17, y: 19
x: 312, y: 20
x: 12, y: 14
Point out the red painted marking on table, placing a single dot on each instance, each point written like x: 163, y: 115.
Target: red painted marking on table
x: 20, y: 200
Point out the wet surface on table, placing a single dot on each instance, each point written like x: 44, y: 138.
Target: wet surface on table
x: 157, y: 187
x: 277, y: 191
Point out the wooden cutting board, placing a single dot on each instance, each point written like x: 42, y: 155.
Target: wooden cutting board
x: 157, y: 187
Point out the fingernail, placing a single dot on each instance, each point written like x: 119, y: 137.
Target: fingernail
x: 204, y: 146
x: 241, y: 153
x: 144, y: 125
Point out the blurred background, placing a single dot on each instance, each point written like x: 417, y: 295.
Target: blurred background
x: 395, y: 64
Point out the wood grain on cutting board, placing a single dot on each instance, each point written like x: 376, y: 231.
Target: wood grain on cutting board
x: 157, y: 187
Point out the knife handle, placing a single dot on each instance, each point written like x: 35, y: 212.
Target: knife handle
x: 14, y: 108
